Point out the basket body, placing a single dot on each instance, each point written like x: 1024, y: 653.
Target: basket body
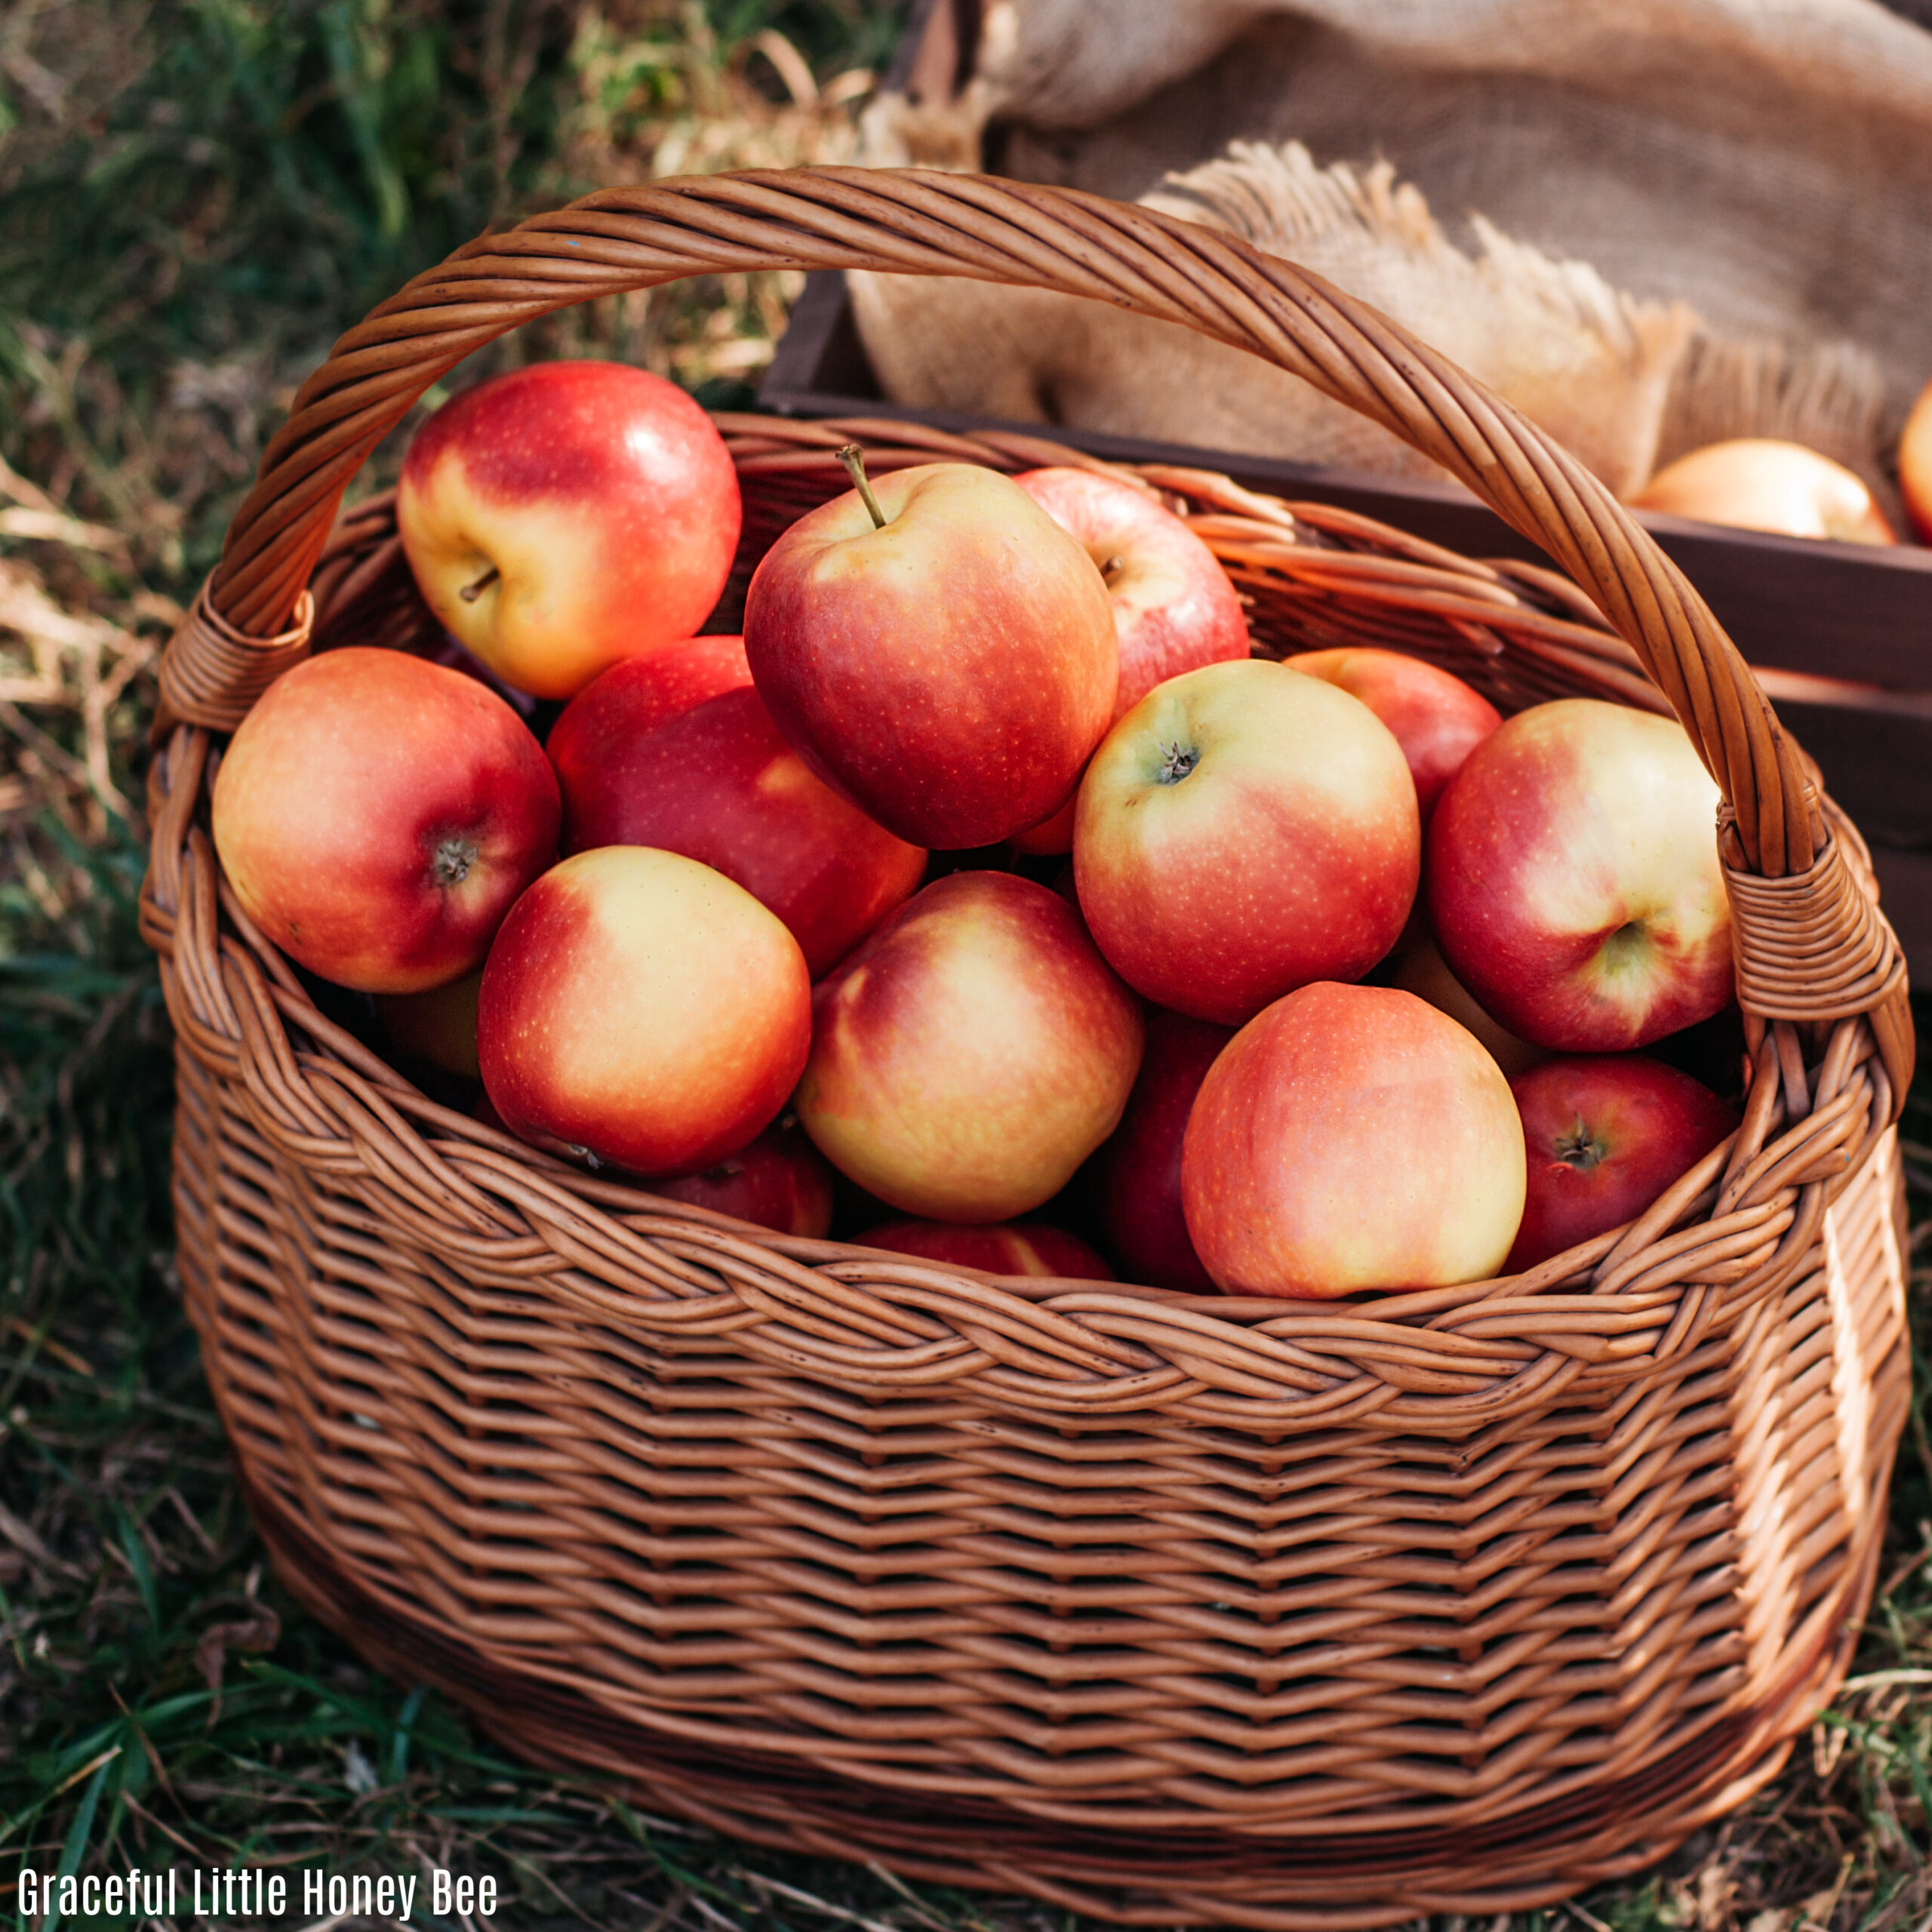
x: 1256, y: 1634
x: 1174, y: 1609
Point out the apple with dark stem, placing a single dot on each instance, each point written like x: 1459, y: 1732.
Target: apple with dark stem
x: 1574, y: 885
x: 567, y: 515
x: 1606, y: 1135
x: 938, y: 649
x: 376, y: 815
x: 1243, y: 831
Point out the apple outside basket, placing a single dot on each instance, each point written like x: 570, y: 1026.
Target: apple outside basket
x: 1167, y: 1609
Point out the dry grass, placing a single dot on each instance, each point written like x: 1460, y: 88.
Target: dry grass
x: 195, y: 195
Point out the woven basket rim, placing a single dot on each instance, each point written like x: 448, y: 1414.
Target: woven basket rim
x: 1575, y: 1311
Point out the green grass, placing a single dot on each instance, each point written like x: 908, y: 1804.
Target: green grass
x: 195, y: 197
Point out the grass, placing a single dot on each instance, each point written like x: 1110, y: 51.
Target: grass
x: 195, y: 195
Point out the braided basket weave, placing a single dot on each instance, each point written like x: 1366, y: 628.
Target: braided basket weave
x: 1171, y: 1610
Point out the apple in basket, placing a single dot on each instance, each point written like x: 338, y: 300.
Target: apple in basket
x: 438, y: 1025
x: 1606, y: 1135
x: 1436, y: 719
x: 1244, y: 830
x: 971, y: 1054
x: 1915, y: 463
x: 1008, y: 1247
x: 1573, y: 879
x: 1174, y: 609
x: 376, y: 815
x: 1757, y: 483
x: 1137, y: 1172
x: 719, y: 783
x: 1423, y: 971
x: 639, y: 1009
x: 1351, y: 1137
x: 638, y: 695
x: 566, y: 516
x: 779, y: 1180
x: 939, y: 650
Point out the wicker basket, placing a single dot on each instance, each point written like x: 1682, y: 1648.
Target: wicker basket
x: 1169, y: 1610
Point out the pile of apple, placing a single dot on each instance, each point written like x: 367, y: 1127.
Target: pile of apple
x: 758, y: 904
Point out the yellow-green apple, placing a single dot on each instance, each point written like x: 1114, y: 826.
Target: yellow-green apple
x: 1174, y: 609
x: 949, y: 668
x: 1915, y: 463
x: 1436, y: 719
x: 377, y: 815
x: 567, y: 515
x: 618, y: 705
x: 1243, y: 831
x: 1006, y: 1248
x: 1757, y: 483
x: 1137, y: 1174
x: 719, y: 783
x: 1606, y: 1134
x: 639, y: 1009
x: 438, y: 1025
x: 778, y: 1181
x: 1350, y: 1138
x: 1573, y: 880
x: 972, y: 1053
x: 1424, y: 972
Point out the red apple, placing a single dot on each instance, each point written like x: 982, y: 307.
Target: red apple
x: 567, y: 515
x: 1137, y: 1172
x: 948, y: 671
x: 1573, y: 879
x: 1436, y: 719
x: 718, y: 783
x: 1174, y: 609
x: 1243, y: 831
x: 779, y: 1180
x: 1756, y: 483
x: 1351, y: 1137
x: 639, y: 1008
x: 1605, y: 1135
x: 438, y: 1025
x: 1425, y: 973
x: 1915, y: 463
x: 972, y: 1053
x: 377, y: 815
x: 1014, y: 1247
x: 618, y: 705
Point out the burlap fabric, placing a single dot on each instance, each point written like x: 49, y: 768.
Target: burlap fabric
x: 1650, y: 223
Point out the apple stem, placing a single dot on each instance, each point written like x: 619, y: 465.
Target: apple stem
x: 450, y: 863
x: 1112, y: 567
x: 853, y: 458
x: 471, y: 591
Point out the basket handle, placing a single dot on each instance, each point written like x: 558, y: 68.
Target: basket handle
x: 909, y: 221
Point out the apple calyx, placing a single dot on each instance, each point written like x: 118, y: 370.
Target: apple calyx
x: 1176, y: 761
x: 471, y: 591
x: 853, y: 458
x: 1580, y: 1148
x: 450, y: 861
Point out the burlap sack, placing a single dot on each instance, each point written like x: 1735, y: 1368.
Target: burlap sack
x: 1655, y: 223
